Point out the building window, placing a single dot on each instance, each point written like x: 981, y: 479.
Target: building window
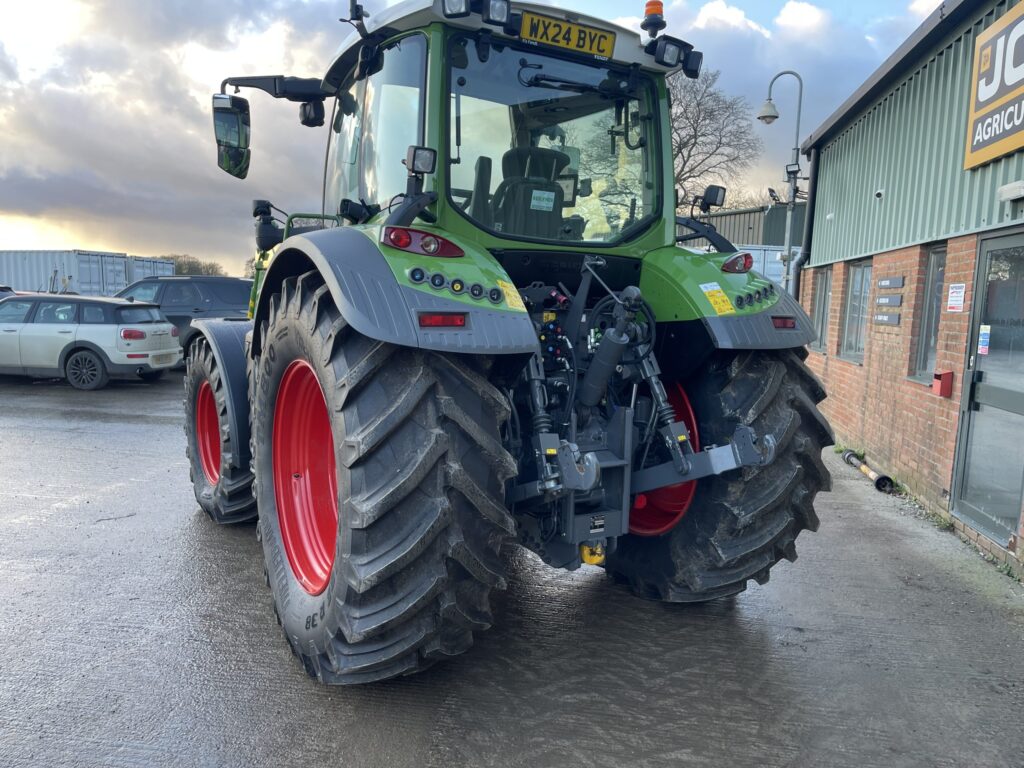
x: 856, y: 312
x: 931, y: 311
x: 821, y: 305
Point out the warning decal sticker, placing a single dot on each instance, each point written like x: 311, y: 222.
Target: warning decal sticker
x: 719, y: 301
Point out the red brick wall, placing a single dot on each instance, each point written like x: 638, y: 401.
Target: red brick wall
x: 906, y: 431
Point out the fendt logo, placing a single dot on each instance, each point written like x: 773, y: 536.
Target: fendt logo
x: 995, y: 126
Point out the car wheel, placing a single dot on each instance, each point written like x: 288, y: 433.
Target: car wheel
x: 85, y: 370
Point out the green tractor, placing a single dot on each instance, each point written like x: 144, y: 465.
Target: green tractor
x: 491, y: 334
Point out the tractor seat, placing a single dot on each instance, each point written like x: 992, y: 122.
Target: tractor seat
x: 529, y: 200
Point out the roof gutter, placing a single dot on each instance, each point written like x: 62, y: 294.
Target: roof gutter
x: 805, y: 250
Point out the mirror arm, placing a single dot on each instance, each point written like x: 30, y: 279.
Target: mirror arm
x: 291, y: 88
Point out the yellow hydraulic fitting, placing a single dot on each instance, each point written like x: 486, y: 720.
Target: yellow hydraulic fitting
x: 592, y: 555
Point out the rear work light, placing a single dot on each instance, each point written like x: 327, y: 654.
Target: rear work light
x: 456, y: 9
x: 738, y: 264
x: 132, y: 334
x: 442, y: 320
x: 424, y: 243
x: 784, y: 323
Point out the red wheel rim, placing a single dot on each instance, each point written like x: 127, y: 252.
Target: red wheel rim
x: 305, y: 481
x: 658, y: 512
x: 208, y: 432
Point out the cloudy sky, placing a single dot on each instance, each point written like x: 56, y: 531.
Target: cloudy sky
x: 105, y: 133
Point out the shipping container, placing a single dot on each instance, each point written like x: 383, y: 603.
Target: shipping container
x: 90, y: 273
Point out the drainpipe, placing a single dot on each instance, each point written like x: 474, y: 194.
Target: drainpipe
x: 805, y: 251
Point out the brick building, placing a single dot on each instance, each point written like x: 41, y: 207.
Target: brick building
x: 915, y: 278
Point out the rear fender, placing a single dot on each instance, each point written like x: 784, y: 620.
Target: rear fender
x: 226, y: 337
x: 689, y: 291
x: 375, y: 297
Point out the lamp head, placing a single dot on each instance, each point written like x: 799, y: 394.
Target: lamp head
x: 768, y: 114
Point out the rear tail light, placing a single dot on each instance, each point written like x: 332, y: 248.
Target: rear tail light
x: 424, y: 243
x: 442, y: 320
x: 738, y: 264
x: 174, y: 331
x: 132, y: 334
x: 784, y: 323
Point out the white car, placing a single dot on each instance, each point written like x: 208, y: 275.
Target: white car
x: 85, y: 340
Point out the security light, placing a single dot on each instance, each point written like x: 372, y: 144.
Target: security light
x: 456, y: 9
x: 497, y: 12
x: 768, y: 114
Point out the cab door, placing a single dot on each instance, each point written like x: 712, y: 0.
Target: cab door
x: 13, y: 314
x: 50, y: 329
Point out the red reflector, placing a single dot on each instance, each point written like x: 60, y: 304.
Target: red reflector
x: 424, y: 243
x: 784, y: 323
x: 443, y: 320
x: 138, y: 356
x: 738, y: 264
x: 174, y: 331
x: 131, y: 334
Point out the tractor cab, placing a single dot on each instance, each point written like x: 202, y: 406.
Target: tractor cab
x: 548, y: 127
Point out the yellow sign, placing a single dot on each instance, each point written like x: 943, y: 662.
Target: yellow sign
x: 995, y: 123
x: 512, y: 297
x: 719, y: 301
x: 578, y: 38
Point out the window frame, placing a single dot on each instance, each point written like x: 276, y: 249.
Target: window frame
x: 931, y: 314
x: 854, y: 348
x: 820, y: 311
x: 28, y: 313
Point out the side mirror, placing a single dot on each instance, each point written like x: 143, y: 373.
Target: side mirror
x: 231, y: 128
x: 586, y: 187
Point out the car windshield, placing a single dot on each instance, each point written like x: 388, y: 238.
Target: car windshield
x: 549, y: 149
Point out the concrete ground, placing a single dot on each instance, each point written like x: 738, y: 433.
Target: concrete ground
x: 135, y: 633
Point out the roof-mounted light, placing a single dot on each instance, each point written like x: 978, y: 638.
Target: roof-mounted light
x: 455, y: 9
x: 497, y: 12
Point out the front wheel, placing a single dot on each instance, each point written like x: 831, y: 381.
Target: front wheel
x: 692, y: 543
x: 85, y: 370
x: 380, y: 478
x: 221, y: 479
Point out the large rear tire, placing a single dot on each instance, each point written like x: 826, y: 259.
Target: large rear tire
x: 740, y: 524
x: 380, y: 477
x: 221, y: 479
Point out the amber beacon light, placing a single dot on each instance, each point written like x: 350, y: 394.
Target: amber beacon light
x: 654, y: 18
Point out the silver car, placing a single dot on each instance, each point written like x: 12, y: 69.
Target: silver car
x: 85, y: 340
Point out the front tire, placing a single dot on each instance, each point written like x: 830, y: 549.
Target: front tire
x: 222, y: 487
x: 380, y: 478
x: 85, y: 371
x: 739, y: 524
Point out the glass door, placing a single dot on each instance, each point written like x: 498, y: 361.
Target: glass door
x: 990, y: 488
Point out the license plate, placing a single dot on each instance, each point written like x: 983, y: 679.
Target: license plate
x: 578, y: 38
x: 162, y: 359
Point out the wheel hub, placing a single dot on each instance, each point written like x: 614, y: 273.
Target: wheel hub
x: 208, y: 432
x: 658, y: 512
x: 305, y: 478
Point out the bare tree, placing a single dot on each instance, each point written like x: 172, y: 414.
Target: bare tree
x: 185, y: 264
x: 712, y: 134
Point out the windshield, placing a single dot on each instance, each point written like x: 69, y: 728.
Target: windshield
x: 549, y: 149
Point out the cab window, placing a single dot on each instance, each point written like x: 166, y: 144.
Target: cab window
x: 55, y: 313
x: 14, y: 311
x: 392, y: 119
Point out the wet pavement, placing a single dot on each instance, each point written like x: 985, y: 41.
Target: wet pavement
x: 135, y: 633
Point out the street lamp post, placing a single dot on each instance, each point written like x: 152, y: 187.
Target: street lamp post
x: 768, y: 115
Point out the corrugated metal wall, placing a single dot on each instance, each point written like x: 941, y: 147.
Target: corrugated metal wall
x: 742, y: 226
x: 89, y: 273
x: 910, y: 145
x: 775, y: 225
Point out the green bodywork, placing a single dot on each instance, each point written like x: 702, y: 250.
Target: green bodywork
x: 675, y: 281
